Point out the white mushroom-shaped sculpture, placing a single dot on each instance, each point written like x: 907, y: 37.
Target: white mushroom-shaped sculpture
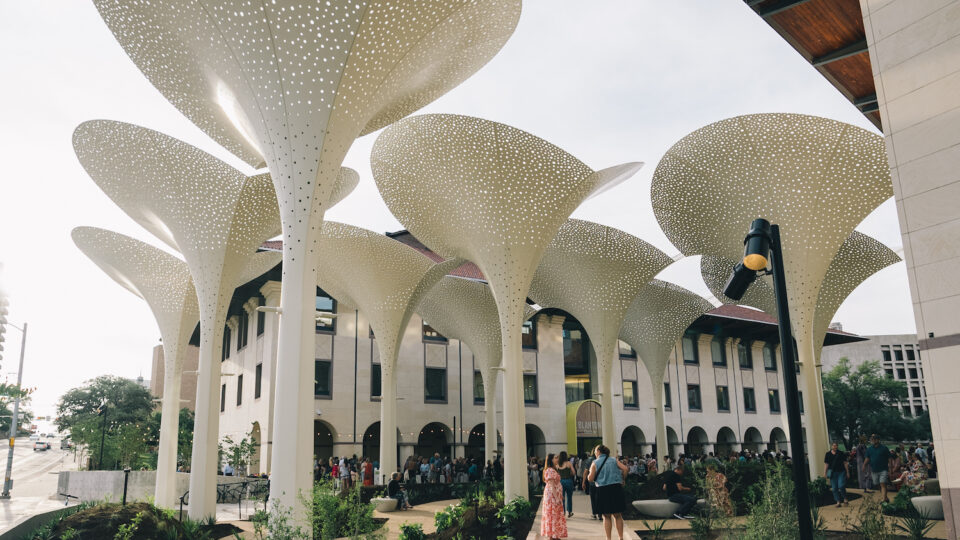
x: 814, y: 177
x: 656, y: 319
x: 385, y: 280
x: 292, y: 84
x: 164, y: 282
x: 213, y: 214
x: 594, y: 272
x: 492, y: 194
x: 465, y: 309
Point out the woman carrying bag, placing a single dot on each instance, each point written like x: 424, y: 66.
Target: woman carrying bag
x: 608, y: 485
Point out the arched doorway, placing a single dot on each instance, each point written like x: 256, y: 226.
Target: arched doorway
x: 632, y: 441
x: 726, y: 442
x: 434, y: 438
x: 476, y: 443
x: 778, y: 440
x: 583, y: 426
x: 752, y: 440
x: 371, y: 443
x: 323, y: 438
x: 254, y: 467
x: 673, y: 443
x: 536, y: 442
x: 697, y: 441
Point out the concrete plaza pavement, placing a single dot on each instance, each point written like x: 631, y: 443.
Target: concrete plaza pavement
x: 34, y: 480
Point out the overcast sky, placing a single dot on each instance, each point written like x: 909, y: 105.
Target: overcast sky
x: 620, y: 81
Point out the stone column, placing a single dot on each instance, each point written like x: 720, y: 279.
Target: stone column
x: 271, y: 295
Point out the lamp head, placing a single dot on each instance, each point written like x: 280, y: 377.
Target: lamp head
x: 739, y: 281
x: 756, y: 246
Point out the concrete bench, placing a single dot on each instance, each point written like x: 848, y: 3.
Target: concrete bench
x: 932, y: 486
x: 385, y: 504
x: 930, y: 505
x: 661, y: 508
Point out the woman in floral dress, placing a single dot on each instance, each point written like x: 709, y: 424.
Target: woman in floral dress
x: 553, y: 522
x: 914, y: 477
x: 717, y: 487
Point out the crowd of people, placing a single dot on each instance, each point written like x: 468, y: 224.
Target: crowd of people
x: 878, y: 467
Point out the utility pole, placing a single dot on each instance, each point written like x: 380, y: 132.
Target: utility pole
x: 7, y: 480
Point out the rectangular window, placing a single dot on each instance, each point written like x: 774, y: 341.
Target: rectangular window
x: 693, y: 397
x: 225, y: 353
x: 918, y: 410
x: 774, y: 396
x: 749, y: 400
x: 901, y: 374
x: 889, y: 373
x: 911, y: 355
x: 528, y: 334
x: 769, y: 358
x: 530, y: 388
x: 327, y: 304
x: 243, y: 330
x: 477, y: 388
x: 435, y: 384
x: 429, y: 334
x: 913, y: 373
x: 261, y: 321
x: 718, y: 352
x: 745, y: 353
x: 800, y: 399
x: 239, y: 389
x: 898, y: 354
x: 689, y: 345
x: 723, y: 398
x: 915, y: 391
x: 322, y: 383
x: 626, y: 351
x: 375, y: 381
x: 667, y: 398
x: 630, y: 394
x: 223, y: 397
x: 257, y: 381
x: 886, y: 355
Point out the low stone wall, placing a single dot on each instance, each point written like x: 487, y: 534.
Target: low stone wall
x: 100, y: 485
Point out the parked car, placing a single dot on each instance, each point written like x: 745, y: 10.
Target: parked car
x: 41, y: 445
x: 66, y: 444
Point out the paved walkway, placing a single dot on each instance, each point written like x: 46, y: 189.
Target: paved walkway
x: 580, y: 526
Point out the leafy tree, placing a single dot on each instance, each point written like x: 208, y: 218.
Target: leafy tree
x: 237, y: 454
x: 184, y: 438
x: 8, y: 393
x: 862, y: 400
x: 113, y: 410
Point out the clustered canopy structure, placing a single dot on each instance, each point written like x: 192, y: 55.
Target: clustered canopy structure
x: 492, y: 194
x: 293, y: 84
x: 816, y: 178
x: 859, y: 257
x: 385, y: 280
x: 216, y: 217
x: 594, y: 272
x: 656, y: 319
x: 465, y: 309
x: 164, y: 282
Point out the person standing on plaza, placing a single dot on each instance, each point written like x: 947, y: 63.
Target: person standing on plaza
x: 837, y: 469
x: 553, y: 524
x: 567, y: 473
x: 588, y: 487
x: 367, y: 472
x: 608, y: 482
x: 717, y: 489
x: 345, y: 476
x: 863, y: 469
x: 878, y: 458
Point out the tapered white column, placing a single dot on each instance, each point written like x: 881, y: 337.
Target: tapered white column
x: 292, y: 461
x: 604, y: 374
x: 490, y: 413
x: 206, y: 425
x: 514, y: 421
x: 818, y: 442
x: 388, y: 410
x: 165, y: 493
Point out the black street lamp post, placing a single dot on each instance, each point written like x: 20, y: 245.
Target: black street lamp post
x: 763, y: 240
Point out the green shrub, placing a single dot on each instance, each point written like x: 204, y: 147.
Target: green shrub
x: 915, y: 525
x: 774, y: 513
x: 335, y: 515
x: 412, y: 531
x: 449, y: 517
x: 868, y: 522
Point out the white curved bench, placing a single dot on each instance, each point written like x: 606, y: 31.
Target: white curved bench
x: 929, y: 505
x: 661, y: 508
x: 385, y: 504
